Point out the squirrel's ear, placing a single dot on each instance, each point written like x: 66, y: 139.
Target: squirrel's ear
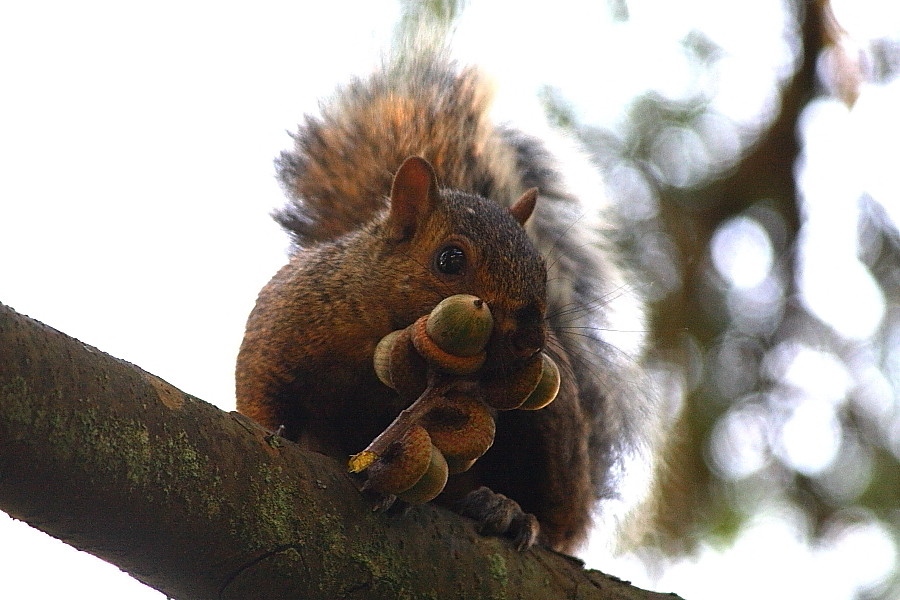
x: 413, y: 195
x: 524, y: 206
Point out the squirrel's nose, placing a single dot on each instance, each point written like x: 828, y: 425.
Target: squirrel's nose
x: 518, y: 334
x: 528, y: 341
x: 530, y: 334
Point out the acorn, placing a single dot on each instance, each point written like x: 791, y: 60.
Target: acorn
x: 507, y: 391
x: 440, y: 359
x: 382, y: 357
x: 460, y: 325
x: 547, y: 387
x: 431, y: 483
x: 462, y: 428
x: 399, y: 366
x: 402, y: 464
x: 457, y: 465
x: 452, y: 337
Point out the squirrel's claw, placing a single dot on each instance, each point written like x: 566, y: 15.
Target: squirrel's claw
x: 499, y: 515
x: 384, y: 503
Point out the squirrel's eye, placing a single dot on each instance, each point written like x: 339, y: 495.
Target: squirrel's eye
x: 451, y: 260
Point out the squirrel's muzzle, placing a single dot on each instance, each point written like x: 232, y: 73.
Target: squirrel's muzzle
x: 518, y: 335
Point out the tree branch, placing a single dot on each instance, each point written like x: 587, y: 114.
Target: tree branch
x: 199, y: 503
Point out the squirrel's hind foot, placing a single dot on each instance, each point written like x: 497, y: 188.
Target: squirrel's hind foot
x: 499, y: 515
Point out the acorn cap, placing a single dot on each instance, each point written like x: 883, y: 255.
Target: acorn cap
x: 456, y: 465
x: 402, y: 464
x: 461, y: 427
x: 408, y: 370
x: 440, y: 359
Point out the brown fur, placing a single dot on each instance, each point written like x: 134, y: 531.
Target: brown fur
x: 364, y: 266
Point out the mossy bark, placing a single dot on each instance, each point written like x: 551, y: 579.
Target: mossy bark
x: 200, y: 503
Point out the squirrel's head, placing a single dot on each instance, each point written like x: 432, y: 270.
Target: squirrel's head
x: 462, y: 243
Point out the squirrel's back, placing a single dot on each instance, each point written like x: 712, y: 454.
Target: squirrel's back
x: 339, y: 173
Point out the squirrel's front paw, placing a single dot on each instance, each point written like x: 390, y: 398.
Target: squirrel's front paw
x: 499, y: 515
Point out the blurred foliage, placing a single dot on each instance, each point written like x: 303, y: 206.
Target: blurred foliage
x: 748, y: 359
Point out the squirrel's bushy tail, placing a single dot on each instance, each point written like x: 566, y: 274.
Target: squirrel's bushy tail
x: 340, y: 169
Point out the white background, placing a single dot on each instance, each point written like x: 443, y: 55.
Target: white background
x: 136, y: 177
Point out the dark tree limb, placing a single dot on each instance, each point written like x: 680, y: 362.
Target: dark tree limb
x: 199, y: 503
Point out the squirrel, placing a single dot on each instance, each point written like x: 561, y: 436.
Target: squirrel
x: 402, y: 192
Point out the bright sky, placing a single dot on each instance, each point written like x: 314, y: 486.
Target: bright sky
x: 136, y: 143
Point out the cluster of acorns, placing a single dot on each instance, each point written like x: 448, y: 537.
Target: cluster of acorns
x: 450, y: 425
